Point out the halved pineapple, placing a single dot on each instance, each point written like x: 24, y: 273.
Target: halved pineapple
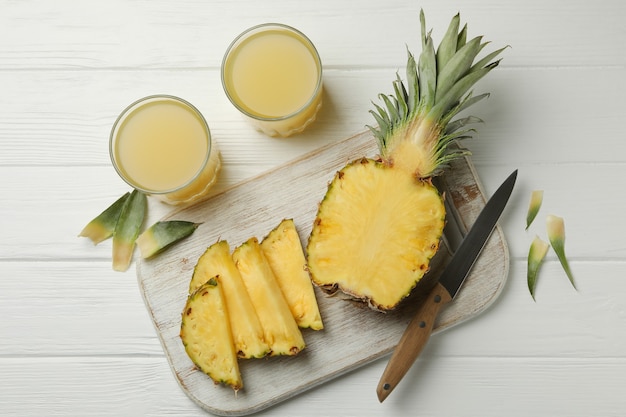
x: 206, y: 334
x: 381, y: 221
x: 387, y: 253
x: 280, y: 328
x: 283, y: 250
x: 246, y: 328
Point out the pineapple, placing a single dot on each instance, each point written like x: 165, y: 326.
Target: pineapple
x: 283, y: 251
x: 246, y: 328
x: 280, y: 328
x: 206, y: 334
x: 381, y: 220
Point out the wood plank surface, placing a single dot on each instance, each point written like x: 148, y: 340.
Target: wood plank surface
x: 75, y: 336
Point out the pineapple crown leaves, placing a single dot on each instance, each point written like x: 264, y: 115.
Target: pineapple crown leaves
x: 437, y: 88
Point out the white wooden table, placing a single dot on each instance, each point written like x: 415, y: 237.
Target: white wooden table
x: 75, y: 337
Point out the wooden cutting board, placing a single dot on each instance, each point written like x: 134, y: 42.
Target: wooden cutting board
x: 353, y: 335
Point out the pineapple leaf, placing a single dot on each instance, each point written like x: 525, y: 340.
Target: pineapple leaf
x: 538, y: 250
x: 442, y: 153
x: 392, y: 108
x: 448, y: 46
x: 413, y: 82
x: 485, y: 61
x: 462, y: 38
x: 162, y: 235
x: 437, y: 89
x: 457, y: 68
x: 382, y: 119
x: 383, y: 114
x: 127, y: 229
x: 454, y: 94
x: 459, y: 123
x: 536, y: 198
x: 380, y: 138
x: 556, y: 234
x: 427, y: 74
x: 402, y: 98
x: 469, y: 100
x: 103, y: 226
x: 423, y: 28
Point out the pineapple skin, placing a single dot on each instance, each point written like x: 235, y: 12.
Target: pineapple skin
x: 375, y: 233
x: 283, y: 250
x: 206, y: 335
x: 246, y: 328
x: 280, y: 328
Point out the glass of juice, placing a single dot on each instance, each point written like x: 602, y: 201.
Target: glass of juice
x: 272, y: 73
x: 162, y: 145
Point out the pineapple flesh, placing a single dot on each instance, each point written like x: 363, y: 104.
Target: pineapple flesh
x: 381, y: 221
x: 206, y: 335
x: 283, y: 251
x: 246, y: 328
x: 386, y: 252
x: 279, y: 326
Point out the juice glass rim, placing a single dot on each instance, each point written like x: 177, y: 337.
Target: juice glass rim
x: 244, y: 35
x: 136, y: 105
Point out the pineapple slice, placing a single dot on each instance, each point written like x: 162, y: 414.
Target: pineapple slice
x: 283, y: 251
x: 206, y: 334
x: 280, y: 328
x: 381, y: 222
x: 247, y: 332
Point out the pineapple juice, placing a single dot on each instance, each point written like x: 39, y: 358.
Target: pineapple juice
x: 162, y: 146
x: 273, y: 75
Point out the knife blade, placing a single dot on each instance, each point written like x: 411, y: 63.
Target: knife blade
x: 420, y: 328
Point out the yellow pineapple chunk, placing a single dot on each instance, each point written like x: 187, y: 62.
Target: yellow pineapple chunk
x: 280, y: 328
x: 206, y: 334
x: 283, y: 250
x: 246, y: 328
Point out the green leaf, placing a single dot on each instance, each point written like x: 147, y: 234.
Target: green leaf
x: 103, y: 226
x: 485, y: 61
x: 462, y: 38
x: 427, y: 67
x: 459, y: 123
x: 392, y: 108
x: 536, y: 198
x: 402, y: 98
x: 162, y: 235
x: 556, y: 234
x: 536, y: 254
x: 413, y: 83
x: 451, y: 98
x: 469, y: 101
x: 448, y: 46
x: 427, y: 70
x: 127, y: 229
x: 457, y: 67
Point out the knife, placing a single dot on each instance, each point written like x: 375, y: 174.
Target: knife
x: 419, y: 329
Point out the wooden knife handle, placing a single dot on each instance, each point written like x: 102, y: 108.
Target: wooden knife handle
x: 412, y: 341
